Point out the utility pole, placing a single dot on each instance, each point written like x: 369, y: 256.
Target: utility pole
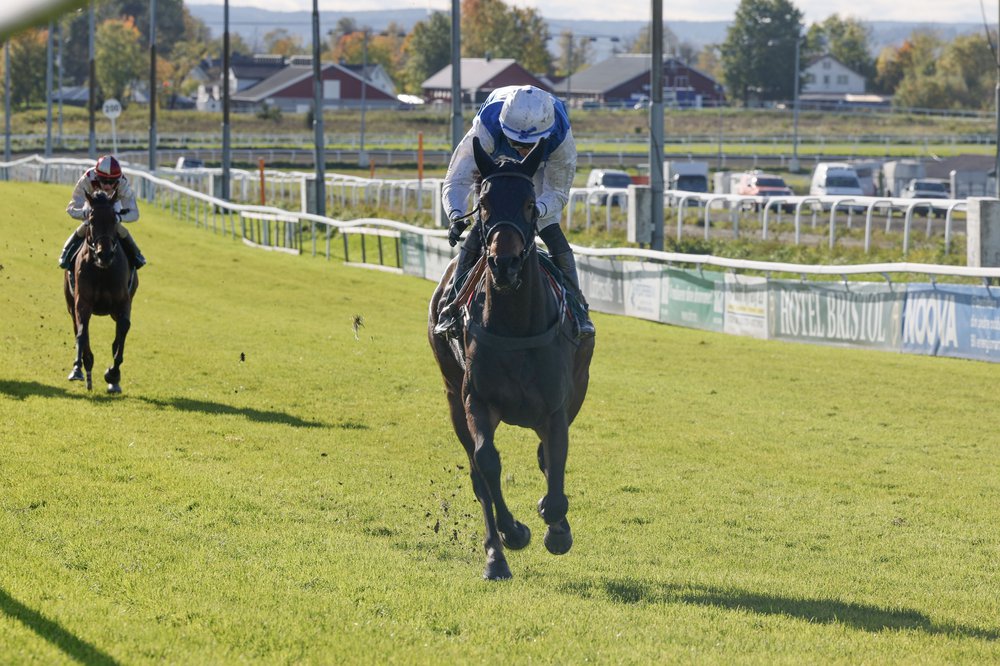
x: 48, y: 94
x: 362, y: 155
x: 60, y: 56
x: 656, y: 127
x: 456, y: 74
x: 152, y: 85
x: 6, y: 100
x: 318, y: 116
x: 226, y: 157
x: 92, y: 82
x: 794, y: 166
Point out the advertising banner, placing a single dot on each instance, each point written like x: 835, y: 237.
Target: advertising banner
x: 642, y: 289
x: 961, y: 321
x: 694, y: 299
x: 746, y: 306
x: 411, y: 250
x: 602, y: 283
x: 859, y: 314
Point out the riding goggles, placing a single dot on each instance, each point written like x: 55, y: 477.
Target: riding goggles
x: 518, y: 145
x: 108, y: 181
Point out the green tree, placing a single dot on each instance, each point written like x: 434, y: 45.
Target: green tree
x: 119, y: 58
x: 281, y: 42
x: 946, y: 75
x: 426, y: 51
x: 491, y: 28
x: 575, y: 53
x: 27, y: 67
x: 759, y: 52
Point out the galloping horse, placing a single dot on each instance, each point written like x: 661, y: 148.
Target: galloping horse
x: 518, y: 362
x: 100, y: 284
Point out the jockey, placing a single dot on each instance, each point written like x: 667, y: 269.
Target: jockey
x: 105, y: 176
x: 510, y: 122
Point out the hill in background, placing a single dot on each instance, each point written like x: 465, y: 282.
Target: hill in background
x: 252, y: 24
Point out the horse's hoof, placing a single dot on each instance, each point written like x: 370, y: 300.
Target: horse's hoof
x: 559, y: 538
x: 75, y: 376
x: 497, y: 570
x: 90, y: 384
x: 517, y: 538
x: 114, y: 388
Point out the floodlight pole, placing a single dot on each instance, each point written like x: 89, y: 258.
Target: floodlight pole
x: 656, y: 127
x: 152, y: 85
x: 92, y: 82
x: 318, y: 115
x: 226, y: 156
x: 456, y: 74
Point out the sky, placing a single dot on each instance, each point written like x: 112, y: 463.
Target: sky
x: 931, y: 11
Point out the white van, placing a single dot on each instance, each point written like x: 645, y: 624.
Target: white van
x: 835, y: 179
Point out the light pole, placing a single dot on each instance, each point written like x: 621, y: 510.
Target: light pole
x: 318, y: 115
x: 794, y: 164
x: 92, y: 83
x: 718, y: 106
x: 48, y: 93
x: 362, y: 155
x: 152, y: 86
x: 6, y: 100
x: 226, y: 154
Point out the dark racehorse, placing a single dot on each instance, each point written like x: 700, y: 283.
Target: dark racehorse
x: 100, y: 283
x: 518, y: 362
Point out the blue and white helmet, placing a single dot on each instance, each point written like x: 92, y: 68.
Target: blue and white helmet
x: 528, y: 115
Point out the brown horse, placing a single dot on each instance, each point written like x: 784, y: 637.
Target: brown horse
x: 100, y: 283
x: 518, y: 362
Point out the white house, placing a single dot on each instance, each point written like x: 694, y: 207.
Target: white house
x: 826, y: 76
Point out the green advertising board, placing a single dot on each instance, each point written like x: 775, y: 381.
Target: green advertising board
x: 412, y: 250
x: 694, y: 299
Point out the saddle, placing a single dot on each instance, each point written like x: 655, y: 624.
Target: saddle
x: 471, y: 293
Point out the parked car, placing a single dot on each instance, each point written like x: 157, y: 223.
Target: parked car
x: 604, y: 179
x: 189, y: 163
x: 759, y: 184
x: 836, y: 179
x: 926, y: 188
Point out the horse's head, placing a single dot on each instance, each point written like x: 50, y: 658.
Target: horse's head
x: 507, y: 212
x: 102, y: 238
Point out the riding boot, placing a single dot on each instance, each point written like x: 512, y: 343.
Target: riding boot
x: 135, y: 258
x: 73, y: 244
x: 468, y: 254
x: 581, y: 311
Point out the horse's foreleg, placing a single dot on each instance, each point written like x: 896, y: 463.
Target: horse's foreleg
x: 113, y: 374
x: 554, y: 506
x: 84, y: 355
x: 486, y: 462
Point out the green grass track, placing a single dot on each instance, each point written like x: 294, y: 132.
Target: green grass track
x: 733, y: 500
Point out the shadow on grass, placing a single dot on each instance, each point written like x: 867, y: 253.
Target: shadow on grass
x: 207, y: 407
x: 72, y: 646
x: 816, y: 611
x: 21, y: 390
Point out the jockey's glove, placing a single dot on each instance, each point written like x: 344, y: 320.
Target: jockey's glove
x: 458, y: 225
x: 122, y: 213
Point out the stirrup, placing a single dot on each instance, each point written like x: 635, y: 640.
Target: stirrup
x: 448, y: 322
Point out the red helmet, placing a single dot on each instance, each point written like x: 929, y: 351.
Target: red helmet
x: 107, y: 167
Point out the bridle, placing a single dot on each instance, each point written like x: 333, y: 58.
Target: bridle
x: 527, y: 242
x: 92, y: 239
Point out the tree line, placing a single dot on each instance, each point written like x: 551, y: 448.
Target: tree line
x: 755, y: 61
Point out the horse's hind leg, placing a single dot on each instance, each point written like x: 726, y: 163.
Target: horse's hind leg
x: 113, y: 375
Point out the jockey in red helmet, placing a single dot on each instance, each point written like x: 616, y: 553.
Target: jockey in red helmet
x: 105, y: 176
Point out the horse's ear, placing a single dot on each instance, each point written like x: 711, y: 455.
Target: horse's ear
x: 531, y: 161
x: 483, y: 160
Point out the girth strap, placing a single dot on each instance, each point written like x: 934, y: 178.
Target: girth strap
x: 506, y: 343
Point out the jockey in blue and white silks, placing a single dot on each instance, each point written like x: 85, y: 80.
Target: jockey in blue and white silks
x: 510, y: 123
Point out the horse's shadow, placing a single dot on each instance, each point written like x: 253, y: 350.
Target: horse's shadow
x: 864, y: 617
x: 258, y: 415
x: 71, y: 645
x: 19, y: 390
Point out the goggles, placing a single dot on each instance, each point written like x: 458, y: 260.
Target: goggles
x: 518, y: 145
x: 108, y: 181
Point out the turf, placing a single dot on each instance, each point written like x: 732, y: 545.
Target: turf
x: 278, y: 485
